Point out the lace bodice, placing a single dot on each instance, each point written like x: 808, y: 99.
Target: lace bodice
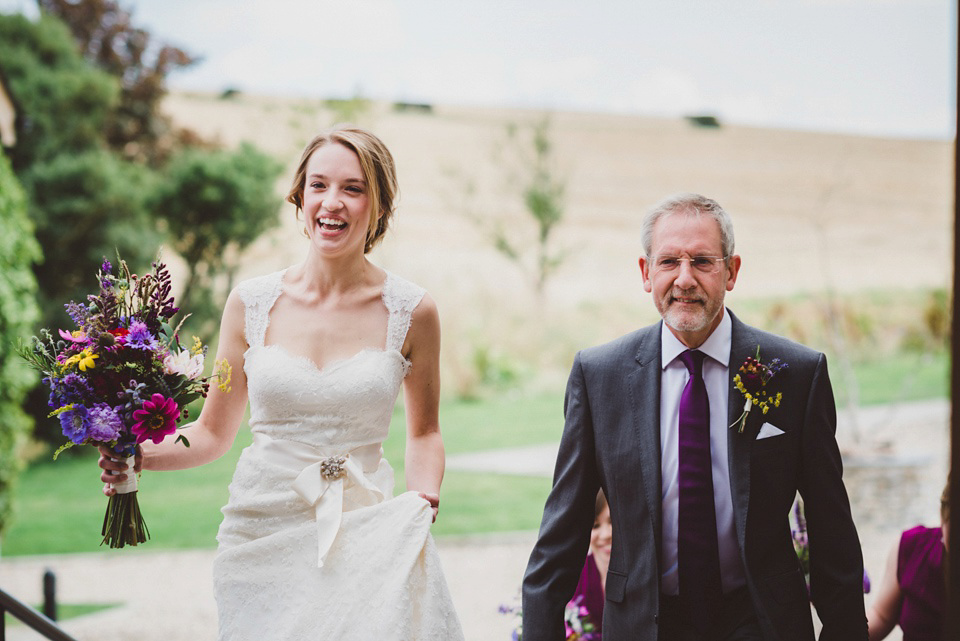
x: 345, y: 404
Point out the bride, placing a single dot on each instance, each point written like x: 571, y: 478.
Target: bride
x: 313, y: 544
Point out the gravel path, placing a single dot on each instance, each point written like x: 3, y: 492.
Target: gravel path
x: 895, y: 470
x: 168, y: 596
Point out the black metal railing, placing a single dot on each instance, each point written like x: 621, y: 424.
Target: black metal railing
x: 29, y: 616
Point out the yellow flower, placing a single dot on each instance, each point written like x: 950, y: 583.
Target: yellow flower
x: 197, y: 346
x: 84, y: 359
x: 70, y: 362
x: 223, y: 373
x: 60, y: 410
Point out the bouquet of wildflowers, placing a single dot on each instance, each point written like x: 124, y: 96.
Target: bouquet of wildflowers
x: 576, y: 620
x: 122, y: 377
x: 801, y: 544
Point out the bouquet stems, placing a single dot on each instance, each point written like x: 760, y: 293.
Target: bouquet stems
x: 123, y: 523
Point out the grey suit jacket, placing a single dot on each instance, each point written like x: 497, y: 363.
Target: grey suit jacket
x: 611, y: 440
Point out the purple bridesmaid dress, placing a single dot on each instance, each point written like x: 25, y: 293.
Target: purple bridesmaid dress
x: 921, y: 578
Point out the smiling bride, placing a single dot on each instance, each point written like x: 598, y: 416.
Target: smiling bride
x: 312, y: 535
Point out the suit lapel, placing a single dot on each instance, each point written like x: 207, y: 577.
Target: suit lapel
x: 744, y: 341
x: 643, y: 384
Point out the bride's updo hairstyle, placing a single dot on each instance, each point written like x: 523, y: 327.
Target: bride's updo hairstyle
x: 379, y: 172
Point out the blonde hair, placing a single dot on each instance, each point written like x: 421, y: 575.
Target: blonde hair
x: 378, y: 168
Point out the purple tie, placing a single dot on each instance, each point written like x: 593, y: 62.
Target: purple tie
x: 697, y: 553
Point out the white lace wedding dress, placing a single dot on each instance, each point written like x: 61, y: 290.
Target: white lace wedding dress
x: 313, y: 546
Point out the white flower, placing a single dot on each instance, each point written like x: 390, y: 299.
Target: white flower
x: 183, y: 363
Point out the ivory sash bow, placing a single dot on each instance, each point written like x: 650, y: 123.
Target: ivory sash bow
x: 324, y: 494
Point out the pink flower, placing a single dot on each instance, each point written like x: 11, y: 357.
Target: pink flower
x: 74, y: 337
x: 156, y: 419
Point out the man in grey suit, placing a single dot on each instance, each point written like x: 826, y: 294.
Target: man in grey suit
x: 699, y: 493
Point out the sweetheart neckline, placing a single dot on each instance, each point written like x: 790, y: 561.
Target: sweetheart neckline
x: 332, y: 364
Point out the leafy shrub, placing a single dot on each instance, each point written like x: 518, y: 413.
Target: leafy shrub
x: 18, y: 311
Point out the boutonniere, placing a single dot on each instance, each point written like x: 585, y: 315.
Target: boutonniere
x: 751, y: 380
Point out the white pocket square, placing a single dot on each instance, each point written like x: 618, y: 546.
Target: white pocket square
x: 769, y: 429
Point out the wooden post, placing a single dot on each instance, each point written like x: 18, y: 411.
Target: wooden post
x: 952, y: 627
x: 50, y: 595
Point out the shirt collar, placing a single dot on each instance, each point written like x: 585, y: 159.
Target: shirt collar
x: 717, y: 345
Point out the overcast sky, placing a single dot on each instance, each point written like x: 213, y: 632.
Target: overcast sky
x: 884, y: 67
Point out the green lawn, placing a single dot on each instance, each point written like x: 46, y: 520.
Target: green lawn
x: 64, y: 611
x: 182, y: 509
x: 905, y: 376
x: 60, y: 506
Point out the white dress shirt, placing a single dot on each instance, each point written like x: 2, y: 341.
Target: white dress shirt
x: 717, y: 380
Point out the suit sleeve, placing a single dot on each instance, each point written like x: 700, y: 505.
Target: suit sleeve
x: 557, y: 558
x: 836, y: 561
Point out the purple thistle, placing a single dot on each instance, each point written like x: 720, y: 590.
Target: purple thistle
x: 131, y: 399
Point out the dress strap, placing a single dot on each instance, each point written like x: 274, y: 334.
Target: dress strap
x: 258, y: 296
x: 401, y: 297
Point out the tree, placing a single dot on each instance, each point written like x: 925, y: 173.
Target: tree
x: 85, y: 201
x: 87, y: 206
x: 18, y: 312
x: 214, y: 204
x: 92, y: 146
x: 63, y: 102
x: 543, y: 198
x: 108, y: 39
x: 527, y: 159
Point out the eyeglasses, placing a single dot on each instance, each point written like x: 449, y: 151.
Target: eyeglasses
x: 703, y: 264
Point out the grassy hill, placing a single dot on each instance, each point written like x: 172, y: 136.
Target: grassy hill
x: 818, y: 217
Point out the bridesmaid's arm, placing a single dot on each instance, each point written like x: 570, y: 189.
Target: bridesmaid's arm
x: 884, y: 611
x: 212, y: 434
x: 424, y: 458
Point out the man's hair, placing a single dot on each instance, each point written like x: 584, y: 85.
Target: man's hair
x: 378, y: 168
x: 688, y: 204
